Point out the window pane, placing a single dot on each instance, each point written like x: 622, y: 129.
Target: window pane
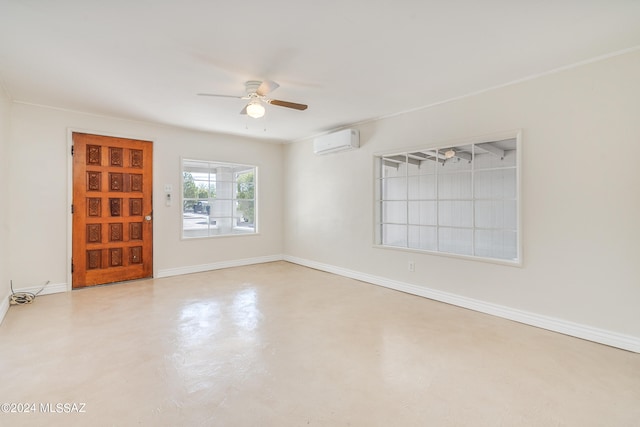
x: 394, y: 166
x: 500, y: 244
x: 422, y: 187
x: 495, y: 184
x: 424, y: 238
x: 245, y: 213
x: 394, y: 235
x: 202, y: 186
x: 456, y: 240
x: 497, y: 154
x: 496, y: 214
x: 427, y: 166
x: 195, y: 225
x: 454, y: 185
x: 189, y: 187
x: 394, y: 188
x: 244, y: 190
x: 394, y: 212
x: 422, y: 213
x: 455, y: 213
x: 413, y: 167
x: 221, y: 208
x: 458, y: 158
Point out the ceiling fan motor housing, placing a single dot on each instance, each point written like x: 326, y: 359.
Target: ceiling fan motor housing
x: 252, y: 86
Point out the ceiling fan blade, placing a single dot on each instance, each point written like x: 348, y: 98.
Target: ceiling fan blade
x: 266, y: 87
x: 244, y: 110
x: 288, y: 104
x: 220, y: 96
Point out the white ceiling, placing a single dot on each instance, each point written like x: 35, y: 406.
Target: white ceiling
x: 349, y: 60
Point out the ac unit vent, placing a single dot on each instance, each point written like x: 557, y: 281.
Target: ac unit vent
x: 346, y: 139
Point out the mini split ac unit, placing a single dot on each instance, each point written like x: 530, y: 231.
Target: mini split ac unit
x: 346, y: 139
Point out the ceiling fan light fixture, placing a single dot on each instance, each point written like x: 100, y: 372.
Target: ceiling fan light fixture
x: 255, y: 109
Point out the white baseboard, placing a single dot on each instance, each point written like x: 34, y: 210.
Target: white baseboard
x: 49, y: 289
x: 217, y: 265
x: 4, y: 307
x: 601, y: 336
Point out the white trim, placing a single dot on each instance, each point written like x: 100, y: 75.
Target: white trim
x: 48, y: 289
x: 601, y: 336
x: 496, y: 261
x: 4, y: 307
x: 168, y: 272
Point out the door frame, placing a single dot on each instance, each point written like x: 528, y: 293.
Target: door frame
x: 70, y: 131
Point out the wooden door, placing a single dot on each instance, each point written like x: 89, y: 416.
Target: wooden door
x: 112, y: 210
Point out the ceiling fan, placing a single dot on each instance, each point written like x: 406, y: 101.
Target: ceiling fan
x: 257, y: 95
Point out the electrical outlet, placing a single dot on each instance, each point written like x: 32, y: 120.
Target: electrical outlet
x: 412, y: 266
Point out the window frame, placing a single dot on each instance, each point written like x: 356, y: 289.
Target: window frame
x: 377, y: 200
x: 234, y: 200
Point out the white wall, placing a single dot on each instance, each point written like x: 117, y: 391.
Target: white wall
x: 39, y: 200
x: 5, y: 180
x: 581, y: 202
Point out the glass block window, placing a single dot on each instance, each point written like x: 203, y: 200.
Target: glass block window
x: 460, y: 199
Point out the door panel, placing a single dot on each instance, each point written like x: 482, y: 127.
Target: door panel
x: 112, y: 216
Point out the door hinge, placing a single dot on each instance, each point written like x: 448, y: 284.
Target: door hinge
x: 72, y: 149
x: 72, y: 208
x: 72, y: 265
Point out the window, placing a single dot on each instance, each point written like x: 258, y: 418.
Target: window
x: 218, y: 198
x: 459, y: 199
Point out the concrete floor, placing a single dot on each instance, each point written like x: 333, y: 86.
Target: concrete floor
x: 283, y: 345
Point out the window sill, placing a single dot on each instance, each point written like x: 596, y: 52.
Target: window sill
x: 510, y: 263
